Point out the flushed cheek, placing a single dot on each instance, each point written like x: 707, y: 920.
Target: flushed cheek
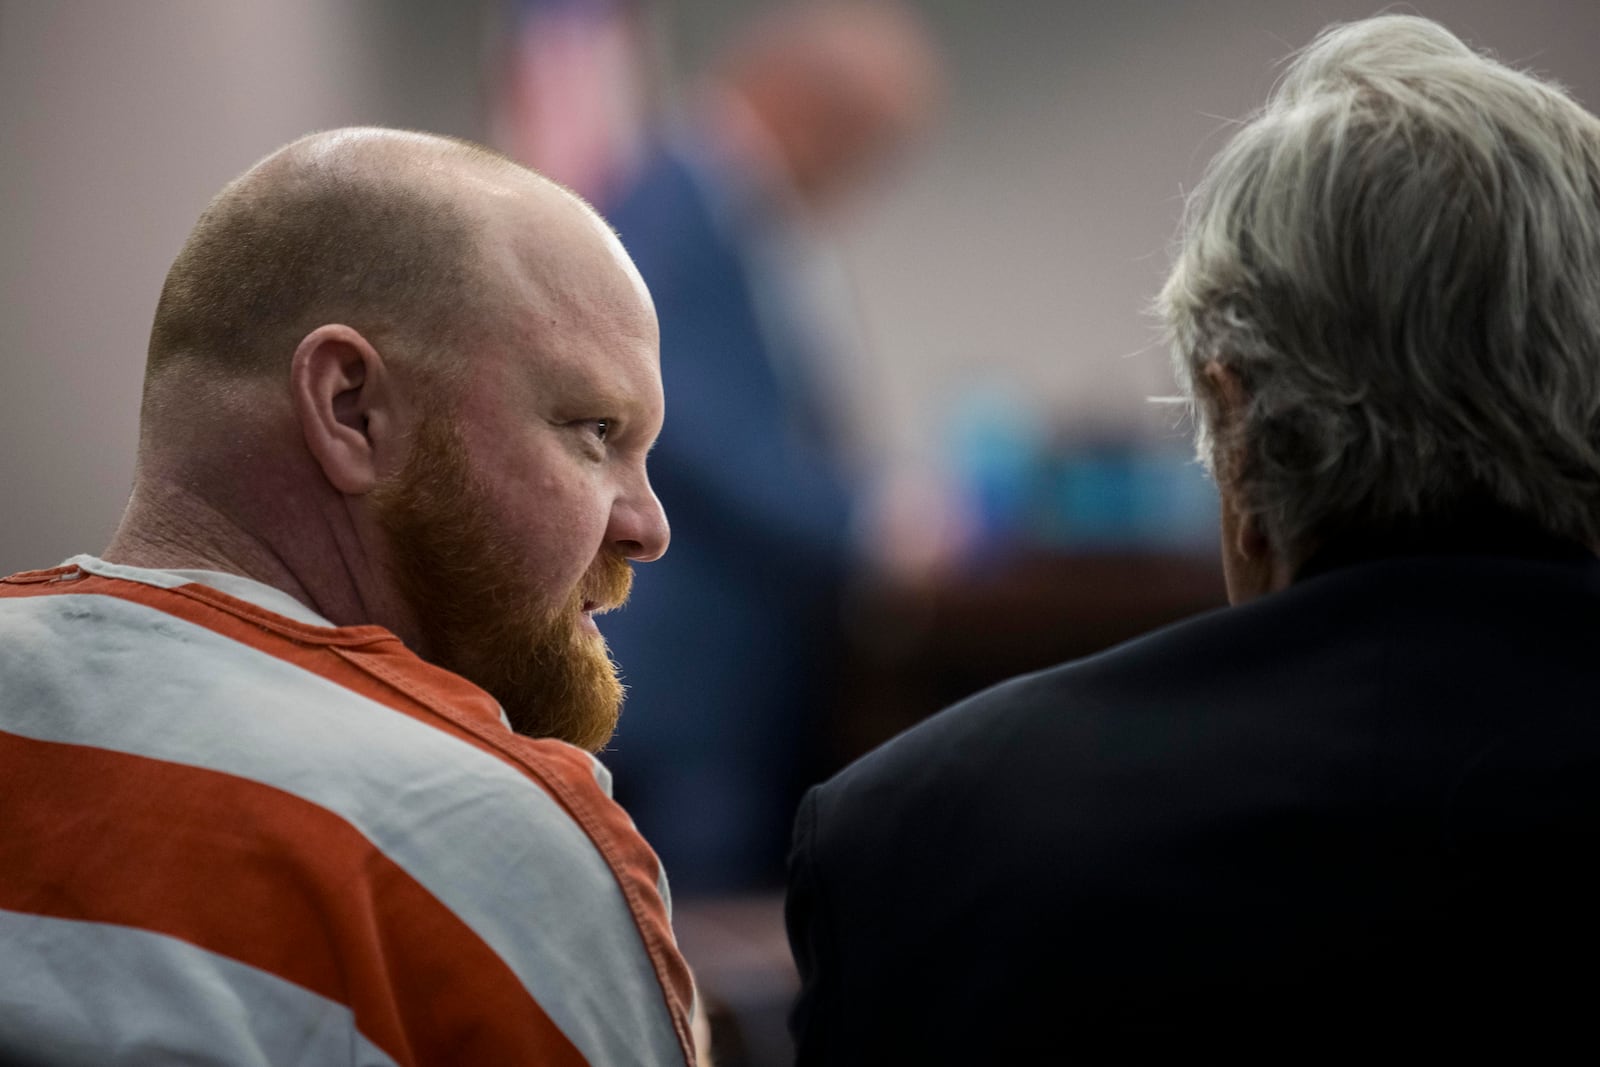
x: 560, y: 545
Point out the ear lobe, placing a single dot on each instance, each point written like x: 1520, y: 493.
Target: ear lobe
x: 1253, y: 543
x: 339, y: 388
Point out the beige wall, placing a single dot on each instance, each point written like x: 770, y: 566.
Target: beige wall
x: 1021, y: 245
x: 117, y: 123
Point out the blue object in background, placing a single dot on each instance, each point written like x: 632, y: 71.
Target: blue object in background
x: 998, y: 442
x: 1109, y: 495
x: 1075, y: 493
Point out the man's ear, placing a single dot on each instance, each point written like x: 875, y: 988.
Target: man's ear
x: 1229, y: 401
x: 1225, y: 401
x: 1227, y: 390
x: 343, y: 397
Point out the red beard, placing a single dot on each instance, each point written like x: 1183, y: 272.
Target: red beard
x: 460, y: 577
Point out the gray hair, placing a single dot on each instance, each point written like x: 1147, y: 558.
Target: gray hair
x: 1399, y: 258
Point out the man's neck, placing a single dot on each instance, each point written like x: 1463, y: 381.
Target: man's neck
x: 172, y: 529
x: 169, y: 527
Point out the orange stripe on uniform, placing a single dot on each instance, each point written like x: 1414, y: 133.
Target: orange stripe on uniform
x: 563, y: 770
x: 263, y: 877
x: 371, y: 661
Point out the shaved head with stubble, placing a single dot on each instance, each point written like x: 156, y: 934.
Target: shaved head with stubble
x: 411, y: 383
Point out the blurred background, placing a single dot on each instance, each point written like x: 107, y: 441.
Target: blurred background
x: 911, y: 447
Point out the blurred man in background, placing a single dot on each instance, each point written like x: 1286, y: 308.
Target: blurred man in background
x: 295, y: 772
x: 1352, y: 815
x: 728, y: 643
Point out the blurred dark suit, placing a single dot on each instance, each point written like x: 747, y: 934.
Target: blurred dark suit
x: 1352, y: 818
x: 725, y: 641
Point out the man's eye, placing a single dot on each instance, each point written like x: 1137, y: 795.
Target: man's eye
x: 601, y: 427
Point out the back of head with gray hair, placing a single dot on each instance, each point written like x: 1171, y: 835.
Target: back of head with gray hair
x: 1399, y: 259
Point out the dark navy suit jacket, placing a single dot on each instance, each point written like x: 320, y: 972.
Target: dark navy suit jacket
x: 722, y: 641
x: 1354, y: 817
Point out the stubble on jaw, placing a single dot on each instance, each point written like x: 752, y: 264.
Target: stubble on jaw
x: 475, y: 612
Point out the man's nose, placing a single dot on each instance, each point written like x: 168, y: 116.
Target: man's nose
x: 640, y: 530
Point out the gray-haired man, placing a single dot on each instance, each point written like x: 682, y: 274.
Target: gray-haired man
x: 1355, y: 813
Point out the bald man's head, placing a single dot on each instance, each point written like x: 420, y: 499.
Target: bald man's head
x: 364, y: 227
x: 413, y: 384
